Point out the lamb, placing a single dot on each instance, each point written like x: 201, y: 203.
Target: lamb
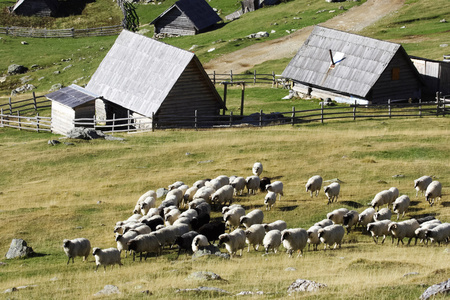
x: 401, y: 205
x: 395, y: 194
x: 294, y: 240
x: 421, y: 184
x: 148, y: 243
x: 256, y: 216
x: 252, y: 183
x: 223, y: 195
x: 105, y: 257
x: 238, y: 184
x: 263, y: 182
x: 332, y: 192
x: 269, y: 200
x: 434, y: 191
x: 77, y: 247
x: 232, y: 217
x: 366, y: 217
x: 384, y: 214
x: 278, y: 224
x: 276, y: 187
x: 350, y: 219
x: 332, y: 235
x: 184, y: 241
x: 314, y: 185
x: 379, y: 228
x: 257, y: 168
x: 324, y: 223
x: 233, y: 241
x: 123, y: 239
x: 212, y: 230
x: 254, y: 235
x: 381, y: 199
x: 199, y: 242
x: 403, y: 229
x: 440, y: 233
x: 337, y: 215
x: 313, y: 236
x: 272, y: 241
x: 200, y: 220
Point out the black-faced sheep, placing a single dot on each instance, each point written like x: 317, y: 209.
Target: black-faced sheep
x: 383, y: 214
x: 199, y: 242
x: 379, y: 228
x: 123, y: 239
x: 350, y: 219
x: 223, y: 195
x: 381, y: 198
x: 366, y: 217
x: 332, y: 192
x: 403, y: 229
x: 276, y: 187
x: 212, y: 230
x: 337, y: 215
x: 232, y: 217
x: 256, y: 216
x: 313, y: 236
x: 263, y: 182
x: 238, y: 184
x: 252, y: 184
x: 184, y: 241
x: 439, y: 234
x: 269, y: 200
x: 278, y: 224
x: 77, y: 247
x: 148, y: 243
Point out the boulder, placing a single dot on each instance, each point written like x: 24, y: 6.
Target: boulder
x: 16, y: 69
x: 23, y: 89
x: 442, y: 288
x: 20, y: 249
x: 210, y: 251
x: 200, y: 289
x: 85, y: 133
x: 204, y: 276
x: 108, y: 290
x: 55, y: 87
x: 304, y: 285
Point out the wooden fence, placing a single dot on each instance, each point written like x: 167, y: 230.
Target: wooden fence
x: 60, y: 33
x: 36, y: 123
x: 25, y: 105
x: 254, y: 78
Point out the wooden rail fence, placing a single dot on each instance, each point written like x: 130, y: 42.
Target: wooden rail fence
x: 35, y: 103
x: 60, y: 33
x: 254, y: 78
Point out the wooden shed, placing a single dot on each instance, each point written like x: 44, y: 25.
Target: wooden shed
x: 69, y: 103
x: 186, y: 17
x: 40, y: 8
x: 436, y: 75
x: 347, y: 67
x: 143, y: 77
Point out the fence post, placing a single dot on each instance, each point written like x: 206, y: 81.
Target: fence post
x: 93, y: 121
x: 354, y: 112
x: 231, y: 118
x: 1, y: 117
x: 321, y: 112
x: 437, y: 106
x: 18, y: 120
x: 260, y: 118
x: 128, y: 120
x: 195, y: 120
x: 214, y: 77
x: 37, y: 121
x: 10, y: 106
x: 443, y: 107
x: 73, y: 32
x: 153, y: 122
x: 420, y: 108
x: 242, y: 98
x: 273, y: 78
x: 389, y: 107
x: 113, y: 123
x: 225, y: 87
x: 231, y: 75
x: 293, y: 115
x: 254, y: 76
x: 34, y: 102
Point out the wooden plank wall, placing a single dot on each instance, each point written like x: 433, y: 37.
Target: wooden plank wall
x: 62, y: 118
x: 175, y: 22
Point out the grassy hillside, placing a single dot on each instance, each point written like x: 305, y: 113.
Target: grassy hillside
x: 51, y: 193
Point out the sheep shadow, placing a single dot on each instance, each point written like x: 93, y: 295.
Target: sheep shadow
x: 414, y: 203
x: 288, y: 208
x: 420, y: 216
x: 446, y: 204
x: 352, y: 204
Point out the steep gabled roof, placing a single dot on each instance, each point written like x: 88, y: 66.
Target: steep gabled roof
x: 139, y: 72
x: 72, y: 96
x: 198, y: 11
x: 360, y: 61
x: 51, y: 4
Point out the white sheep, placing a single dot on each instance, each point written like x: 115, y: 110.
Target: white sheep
x: 252, y: 183
x: 223, y: 179
x: 123, y: 239
x: 256, y: 216
x: 254, y: 235
x: 204, y: 193
x: 401, y: 205
x: 332, y: 192
x: 183, y: 189
x: 233, y: 241
x: 439, y: 234
x: 238, y: 184
x: 276, y: 187
x: 332, y: 235
x: 150, y: 193
x: 189, y: 214
x: 350, y: 219
x: 278, y: 224
x: 421, y: 232
x: 294, y: 239
x: 172, y: 216
x: 140, y: 229
x: 314, y: 185
x: 384, y: 214
x: 165, y: 236
x: 147, y: 204
x: 175, y: 185
x: 337, y: 215
x: 395, y: 195
x: 189, y: 195
x: 381, y: 199
x: 223, y: 195
x: 106, y: 257
x: 225, y: 209
x: 269, y: 200
x: 196, y: 202
x: 200, y: 183
x: 77, y: 247
x: 257, y: 168
x: 176, y: 194
x: 198, y: 242
x: 233, y: 216
x: 379, y: 228
x: 366, y: 217
x: 324, y: 223
x: 272, y: 241
x: 433, y: 192
x: 421, y: 184
x: 313, y: 236
x: 403, y: 229
x: 148, y: 243
x: 215, y: 184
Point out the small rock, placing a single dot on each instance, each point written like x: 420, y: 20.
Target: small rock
x: 290, y: 269
x: 57, y: 72
x: 341, y: 7
x: 297, y: 18
x: 434, y: 290
x: 187, y: 154
x: 204, y: 276
x: 54, y: 279
x: 403, y: 27
x: 2, y: 263
x: 332, y: 11
x: 272, y: 31
x: 108, y: 290
x: 79, y: 227
x: 303, y: 285
x: 41, y: 78
x: 19, y: 248
x: 398, y: 176
x: 67, y: 67
x: 2, y: 79
x: 205, y: 161
x: 22, y: 89
x: 446, y: 250
x: 35, y: 66
x: 203, y: 289
x: 410, y: 274
x: 193, y: 47
x: 443, y: 45
x: 245, y: 293
x: 16, y: 69
x: 211, y: 50
x: 334, y: 180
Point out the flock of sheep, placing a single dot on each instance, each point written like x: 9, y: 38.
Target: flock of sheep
x: 183, y: 219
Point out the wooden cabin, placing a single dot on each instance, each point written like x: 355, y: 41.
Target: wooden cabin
x: 142, y: 77
x: 351, y: 68
x: 186, y: 17
x: 70, y: 103
x: 436, y: 75
x: 40, y: 8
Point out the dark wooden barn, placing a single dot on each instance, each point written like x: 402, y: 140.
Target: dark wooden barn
x: 142, y: 77
x: 347, y: 67
x: 436, y: 75
x: 186, y: 17
x: 40, y: 8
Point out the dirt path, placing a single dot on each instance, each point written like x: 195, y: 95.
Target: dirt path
x: 354, y: 19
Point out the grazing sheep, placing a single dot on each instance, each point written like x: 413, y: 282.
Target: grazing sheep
x: 421, y: 184
x: 176, y: 194
x: 200, y: 183
x: 194, y: 203
x: 223, y: 195
x: 252, y: 183
x: 278, y: 224
x: 332, y: 192
x: 256, y: 216
x: 199, y: 242
x: 184, y: 241
x: 439, y: 234
x: 189, y: 195
x: 148, y: 243
x: 401, y: 205
x: 403, y: 229
x: 223, y: 179
x: 203, y: 208
x: 324, y: 223
x: 105, y: 257
x: 123, y: 239
x: 381, y: 199
x: 182, y: 220
x: 395, y: 195
x: 366, y: 217
x: 212, y: 230
x: 204, y: 193
x: 263, y: 182
x: 238, y: 185
x: 434, y: 191
x: 272, y: 241
x: 276, y: 187
x: 148, y: 203
x: 215, y: 184
x: 332, y: 235
x: 313, y: 236
x: 190, y: 214
x: 200, y: 220
x: 233, y: 216
x: 314, y: 185
x: 141, y: 229
x: 172, y: 216
x: 153, y: 222
x: 254, y: 235
x: 379, y: 228
x: 350, y: 219
x: 166, y: 236
x: 269, y: 200
x: 257, y: 168
x: 225, y: 209
x: 175, y: 185
x: 421, y: 232
x: 337, y: 215
x: 294, y: 240
x: 156, y: 211
x: 384, y: 214
x: 233, y: 241
x: 150, y: 193
x: 77, y: 247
